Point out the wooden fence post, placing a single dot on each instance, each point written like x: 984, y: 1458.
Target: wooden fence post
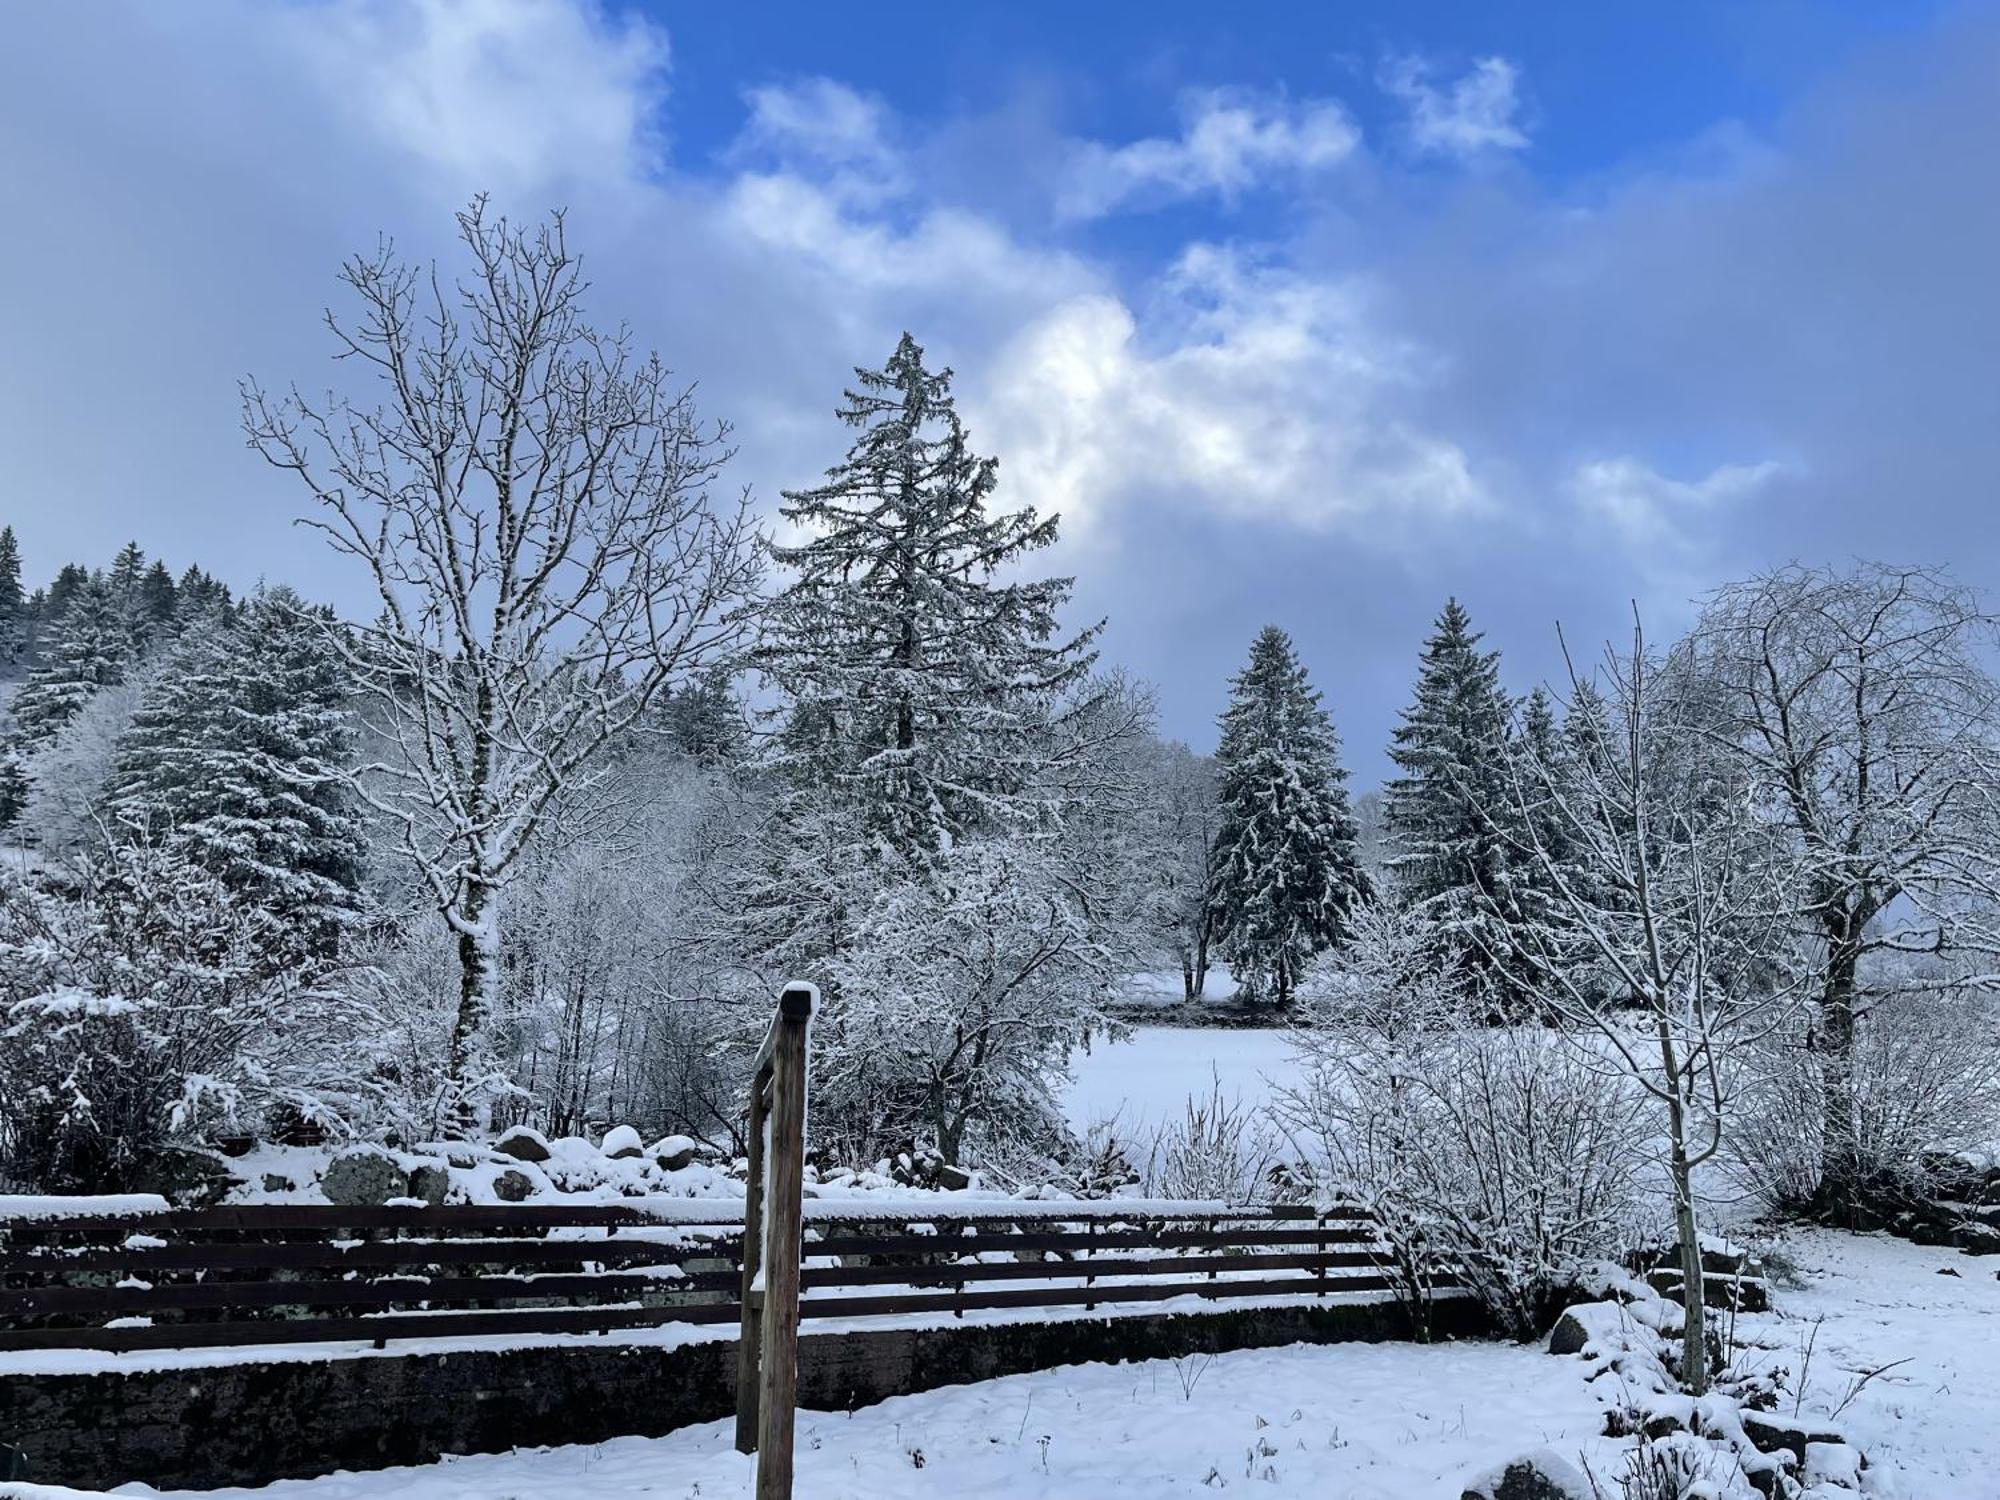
x: 767, y: 1348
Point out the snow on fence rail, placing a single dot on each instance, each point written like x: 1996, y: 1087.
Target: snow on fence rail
x: 145, y: 1277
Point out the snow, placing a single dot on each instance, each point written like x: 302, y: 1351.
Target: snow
x: 1932, y: 1424
x: 1357, y: 1421
x: 1145, y: 1080
x: 22, y: 1206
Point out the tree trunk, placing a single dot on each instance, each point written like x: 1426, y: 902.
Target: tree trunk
x: 1694, y: 1302
x: 1833, y: 1039
x: 477, y: 924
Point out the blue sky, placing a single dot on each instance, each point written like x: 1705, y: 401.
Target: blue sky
x: 1313, y: 314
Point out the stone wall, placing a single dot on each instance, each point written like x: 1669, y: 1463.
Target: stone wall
x: 249, y: 1423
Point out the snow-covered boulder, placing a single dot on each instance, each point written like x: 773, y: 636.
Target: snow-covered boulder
x: 1542, y: 1475
x: 364, y: 1175
x: 622, y: 1141
x: 673, y: 1153
x: 523, y: 1143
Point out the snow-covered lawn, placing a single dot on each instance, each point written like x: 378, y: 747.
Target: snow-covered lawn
x: 1146, y: 1079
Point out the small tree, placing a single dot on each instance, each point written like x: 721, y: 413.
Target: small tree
x: 531, y: 505
x: 1286, y: 867
x: 1669, y: 891
x: 13, y: 602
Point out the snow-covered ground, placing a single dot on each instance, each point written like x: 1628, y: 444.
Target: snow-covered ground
x: 1357, y: 1421
x: 1147, y: 1078
x: 1931, y: 1424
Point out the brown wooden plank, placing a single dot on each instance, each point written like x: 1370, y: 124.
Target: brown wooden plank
x: 385, y: 1292
x: 1031, y: 1297
x: 322, y: 1255
x: 364, y: 1330
x: 321, y: 1217
x: 1165, y: 1265
x: 778, y: 1309
x: 940, y: 1244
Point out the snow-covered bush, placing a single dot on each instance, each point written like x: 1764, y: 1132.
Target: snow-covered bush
x: 1924, y: 1082
x: 140, y: 1003
x: 1507, y: 1154
x: 1219, y: 1148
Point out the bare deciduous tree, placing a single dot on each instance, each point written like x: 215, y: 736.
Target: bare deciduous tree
x: 1861, y: 705
x: 1667, y: 908
x: 531, y: 503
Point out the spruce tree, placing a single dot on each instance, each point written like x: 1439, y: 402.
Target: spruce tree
x: 704, y: 722
x: 234, y: 760
x: 1451, y: 854
x: 915, y: 680
x: 87, y: 648
x: 13, y: 603
x: 1287, y: 870
x: 71, y: 579
x: 157, y: 596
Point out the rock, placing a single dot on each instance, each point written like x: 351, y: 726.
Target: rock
x: 953, y: 1179
x: 523, y: 1143
x: 364, y: 1175
x: 1570, y: 1335
x: 1538, y: 1476
x: 1977, y: 1239
x: 673, y: 1152
x: 185, y: 1178
x: 622, y: 1141
x: 1946, y: 1271
x: 430, y: 1182
x: 513, y: 1186
x: 1770, y: 1433
x: 274, y: 1183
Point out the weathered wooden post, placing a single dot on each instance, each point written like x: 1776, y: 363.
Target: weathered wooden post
x: 767, y: 1366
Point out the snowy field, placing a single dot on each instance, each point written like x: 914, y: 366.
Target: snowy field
x: 1147, y: 1079
x: 1345, y: 1422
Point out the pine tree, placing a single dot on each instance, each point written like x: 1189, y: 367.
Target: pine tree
x: 13, y: 603
x: 87, y: 649
x: 234, y: 758
x: 200, y: 593
x: 1287, y: 869
x: 1450, y: 850
x: 915, y: 680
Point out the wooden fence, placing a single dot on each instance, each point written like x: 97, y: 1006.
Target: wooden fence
x: 312, y: 1273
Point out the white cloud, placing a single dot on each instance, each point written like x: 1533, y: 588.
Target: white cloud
x: 823, y: 126
x: 1228, y: 144
x: 1248, y: 393
x: 1659, y: 520
x: 507, y: 94
x: 1476, y: 114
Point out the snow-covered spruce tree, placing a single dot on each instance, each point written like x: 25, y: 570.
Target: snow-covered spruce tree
x: 87, y: 648
x: 920, y: 679
x: 531, y: 506
x: 935, y: 727
x: 13, y: 601
x: 1286, y: 870
x: 237, y: 758
x: 1447, y: 854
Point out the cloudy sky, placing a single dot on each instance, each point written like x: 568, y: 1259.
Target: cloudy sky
x: 1306, y: 314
